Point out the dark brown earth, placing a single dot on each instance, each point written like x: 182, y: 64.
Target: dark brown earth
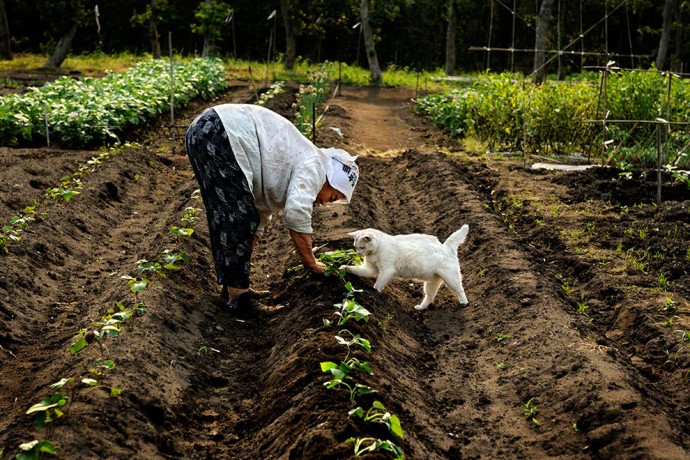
x: 568, y: 276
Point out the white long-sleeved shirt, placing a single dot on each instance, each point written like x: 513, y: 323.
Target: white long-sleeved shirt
x: 285, y: 170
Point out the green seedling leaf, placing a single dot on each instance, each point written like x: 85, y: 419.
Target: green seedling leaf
x: 57, y: 400
x: 34, y: 449
x: 138, y: 285
x: 89, y: 382
x: 60, y: 383
x: 356, y: 412
x: 181, y: 232
x: 326, y: 366
x: 77, y: 346
x: 115, y: 392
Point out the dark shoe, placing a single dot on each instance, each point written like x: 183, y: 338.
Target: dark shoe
x: 245, y: 304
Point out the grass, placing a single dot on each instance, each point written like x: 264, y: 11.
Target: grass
x: 98, y: 63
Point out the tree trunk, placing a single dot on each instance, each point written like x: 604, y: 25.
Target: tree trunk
x: 209, y: 42
x: 62, y: 48
x: 290, y: 41
x: 153, y: 31
x: 450, y: 38
x: 5, y: 44
x: 375, y: 75
x: 668, y: 14
x: 540, y: 41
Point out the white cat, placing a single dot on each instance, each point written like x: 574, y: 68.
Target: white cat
x: 416, y: 256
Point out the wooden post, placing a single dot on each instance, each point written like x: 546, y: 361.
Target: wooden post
x: 172, y: 94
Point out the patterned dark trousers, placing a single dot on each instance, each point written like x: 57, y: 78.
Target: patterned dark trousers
x: 232, y: 215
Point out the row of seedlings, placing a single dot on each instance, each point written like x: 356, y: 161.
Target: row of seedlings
x: 342, y: 375
x: 64, y: 392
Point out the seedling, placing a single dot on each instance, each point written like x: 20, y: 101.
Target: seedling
x: 181, y: 233
x: 350, y: 309
x: 530, y: 411
x: 35, y: 449
x: 342, y: 370
x: 366, y: 445
x: 144, y: 265
x: 356, y: 390
x: 190, y: 217
x: 356, y: 340
x: 501, y: 337
x: 582, y: 309
x: 669, y: 305
x: 377, y: 413
x: 663, y: 281
x: 172, y: 258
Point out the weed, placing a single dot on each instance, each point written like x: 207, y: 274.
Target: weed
x: 501, y: 337
x: 530, y: 411
x: 582, y: 309
x: 501, y: 365
x: 383, y: 325
x: 669, y: 304
x: 663, y: 281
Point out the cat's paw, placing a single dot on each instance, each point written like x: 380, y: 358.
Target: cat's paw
x: 464, y: 301
x: 344, y: 267
x: 420, y: 307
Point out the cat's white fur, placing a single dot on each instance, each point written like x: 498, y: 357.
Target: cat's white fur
x: 416, y: 256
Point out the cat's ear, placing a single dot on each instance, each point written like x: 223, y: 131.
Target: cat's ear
x: 354, y: 234
x: 366, y: 239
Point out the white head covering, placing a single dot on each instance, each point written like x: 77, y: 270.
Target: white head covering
x: 342, y: 172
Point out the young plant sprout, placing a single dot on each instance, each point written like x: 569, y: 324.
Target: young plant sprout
x: 349, y: 309
x: 181, y: 232
x: 356, y: 340
x: 190, y: 217
x: 377, y: 413
x: 172, y: 258
x: 366, y: 445
x: 530, y: 411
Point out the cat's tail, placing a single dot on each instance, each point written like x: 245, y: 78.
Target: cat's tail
x: 457, y: 238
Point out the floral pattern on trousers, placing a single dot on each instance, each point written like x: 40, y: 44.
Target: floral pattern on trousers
x: 230, y: 209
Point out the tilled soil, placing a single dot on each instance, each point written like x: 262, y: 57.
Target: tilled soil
x: 568, y: 314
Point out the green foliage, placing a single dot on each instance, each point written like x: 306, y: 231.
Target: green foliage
x: 377, y: 413
x: 508, y: 112
x: 308, y: 99
x: 36, y: 449
x: 211, y: 18
x: 91, y: 110
x: 367, y: 445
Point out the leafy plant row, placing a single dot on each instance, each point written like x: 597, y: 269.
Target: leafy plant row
x: 342, y: 374
x: 62, y: 394
x: 508, y: 112
x: 80, y: 112
x: 69, y: 187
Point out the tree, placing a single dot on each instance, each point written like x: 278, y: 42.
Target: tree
x: 151, y: 16
x: 211, y: 16
x: 290, y: 40
x: 668, y: 16
x: 375, y: 74
x: 5, y: 43
x: 451, y: 38
x: 540, y: 41
x: 64, y: 17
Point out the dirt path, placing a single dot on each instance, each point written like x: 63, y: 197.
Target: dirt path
x: 199, y: 382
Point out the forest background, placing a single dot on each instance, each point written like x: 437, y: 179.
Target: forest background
x: 457, y: 35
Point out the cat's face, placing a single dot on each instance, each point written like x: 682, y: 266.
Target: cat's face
x: 365, y: 242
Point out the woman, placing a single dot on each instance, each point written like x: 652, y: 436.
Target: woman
x: 251, y: 162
